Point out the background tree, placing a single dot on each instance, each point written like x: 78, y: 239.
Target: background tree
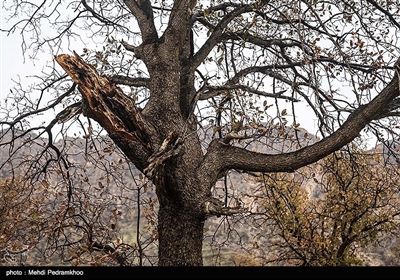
x: 81, y: 219
x: 327, y: 214
x: 22, y: 220
x: 164, y: 73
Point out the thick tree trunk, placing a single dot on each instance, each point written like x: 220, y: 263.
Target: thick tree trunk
x: 162, y: 141
x: 181, y: 198
x: 180, y: 237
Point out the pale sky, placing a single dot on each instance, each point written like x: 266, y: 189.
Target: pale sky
x: 13, y: 66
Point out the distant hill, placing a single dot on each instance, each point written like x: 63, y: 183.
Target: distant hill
x: 82, y: 152
x: 82, y: 155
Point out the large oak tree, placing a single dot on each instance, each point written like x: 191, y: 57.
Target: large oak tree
x: 246, y: 69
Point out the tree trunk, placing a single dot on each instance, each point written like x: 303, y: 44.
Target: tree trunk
x: 162, y: 144
x: 180, y: 237
x: 181, y: 197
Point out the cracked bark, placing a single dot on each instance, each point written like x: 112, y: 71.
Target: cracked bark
x: 109, y: 106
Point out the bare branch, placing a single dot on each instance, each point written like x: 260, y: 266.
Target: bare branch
x: 143, y: 12
x: 217, y: 34
x: 385, y: 12
x: 130, y: 81
x: 211, y: 91
x: 231, y: 157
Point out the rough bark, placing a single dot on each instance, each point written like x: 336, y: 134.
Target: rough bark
x: 162, y: 144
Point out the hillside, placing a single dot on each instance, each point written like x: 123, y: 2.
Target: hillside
x: 111, y: 177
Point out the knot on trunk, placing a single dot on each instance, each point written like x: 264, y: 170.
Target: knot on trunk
x: 170, y: 147
x: 215, y: 207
